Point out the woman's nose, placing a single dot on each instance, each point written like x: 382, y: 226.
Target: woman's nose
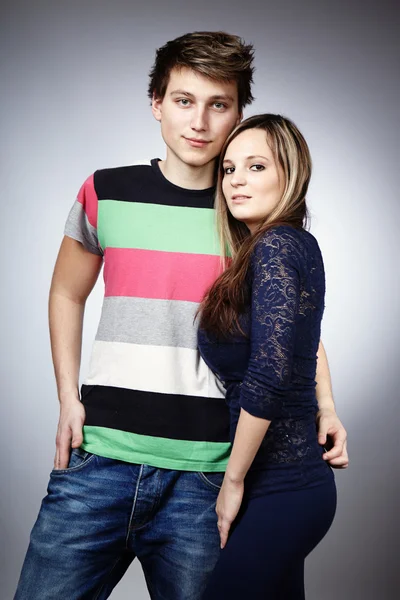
x: 238, y: 178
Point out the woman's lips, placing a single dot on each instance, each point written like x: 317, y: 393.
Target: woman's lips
x: 239, y: 199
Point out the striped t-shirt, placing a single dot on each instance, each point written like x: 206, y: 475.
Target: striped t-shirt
x: 149, y: 397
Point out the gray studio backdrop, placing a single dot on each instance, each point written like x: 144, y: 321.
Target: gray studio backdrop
x: 74, y: 78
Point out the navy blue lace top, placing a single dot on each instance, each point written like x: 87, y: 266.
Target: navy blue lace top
x: 271, y: 372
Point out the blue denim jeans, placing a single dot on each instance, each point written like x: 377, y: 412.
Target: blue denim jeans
x: 99, y: 514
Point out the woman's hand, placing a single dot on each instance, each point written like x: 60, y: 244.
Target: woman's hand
x: 228, y: 504
x: 332, y: 432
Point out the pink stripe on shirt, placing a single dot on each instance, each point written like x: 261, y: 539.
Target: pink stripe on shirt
x: 88, y: 198
x: 163, y: 275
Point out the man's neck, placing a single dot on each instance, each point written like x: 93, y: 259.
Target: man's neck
x: 187, y: 176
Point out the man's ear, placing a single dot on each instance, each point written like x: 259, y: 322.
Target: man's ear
x: 240, y: 118
x: 156, y: 104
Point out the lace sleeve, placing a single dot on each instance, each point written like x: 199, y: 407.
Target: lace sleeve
x: 277, y: 264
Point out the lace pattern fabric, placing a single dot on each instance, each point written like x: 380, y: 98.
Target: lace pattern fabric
x: 280, y: 297
x: 271, y: 372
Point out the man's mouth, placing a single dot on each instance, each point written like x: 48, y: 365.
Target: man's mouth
x: 197, y: 143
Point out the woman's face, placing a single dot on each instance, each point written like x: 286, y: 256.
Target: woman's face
x: 253, y: 183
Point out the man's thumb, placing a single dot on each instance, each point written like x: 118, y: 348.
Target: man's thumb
x: 77, y: 439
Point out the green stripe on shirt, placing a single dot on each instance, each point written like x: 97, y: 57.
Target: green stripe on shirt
x: 157, y: 227
x: 182, y: 455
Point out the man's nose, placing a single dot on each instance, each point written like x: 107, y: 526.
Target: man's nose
x: 199, y: 119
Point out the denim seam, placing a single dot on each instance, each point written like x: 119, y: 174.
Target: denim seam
x: 77, y: 468
x: 158, y: 494
x: 207, y: 481
x: 133, y: 506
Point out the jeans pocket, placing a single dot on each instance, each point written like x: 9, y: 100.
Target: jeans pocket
x: 78, y: 459
x: 213, y: 480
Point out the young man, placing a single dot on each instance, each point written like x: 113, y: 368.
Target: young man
x: 144, y: 472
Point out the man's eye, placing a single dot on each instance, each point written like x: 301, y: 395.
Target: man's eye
x: 229, y: 170
x: 219, y: 105
x: 183, y: 102
x: 257, y: 167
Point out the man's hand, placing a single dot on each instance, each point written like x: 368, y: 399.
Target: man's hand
x: 69, y: 432
x: 330, y: 426
x: 228, y: 504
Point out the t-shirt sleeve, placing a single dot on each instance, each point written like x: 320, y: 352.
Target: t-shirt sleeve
x: 81, y: 223
x: 277, y: 266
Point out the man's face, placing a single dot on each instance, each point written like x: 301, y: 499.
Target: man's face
x: 196, y: 114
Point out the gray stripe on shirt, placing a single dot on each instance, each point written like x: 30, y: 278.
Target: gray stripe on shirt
x: 78, y: 228
x: 148, y: 322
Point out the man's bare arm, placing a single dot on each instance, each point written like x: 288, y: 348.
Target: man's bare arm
x: 74, y: 276
x: 329, y: 424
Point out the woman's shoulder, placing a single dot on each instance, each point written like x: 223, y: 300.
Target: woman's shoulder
x: 286, y: 243
x: 286, y: 238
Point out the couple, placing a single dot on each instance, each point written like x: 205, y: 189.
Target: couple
x: 155, y: 448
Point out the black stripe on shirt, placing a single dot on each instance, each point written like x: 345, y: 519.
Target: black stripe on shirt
x: 171, y: 416
x: 146, y: 184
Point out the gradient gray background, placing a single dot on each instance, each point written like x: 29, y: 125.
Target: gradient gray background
x: 74, y: 82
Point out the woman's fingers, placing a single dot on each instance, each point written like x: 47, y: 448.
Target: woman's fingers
x: 223, y: 527
x: 341, y: 461
x: 228, y: 504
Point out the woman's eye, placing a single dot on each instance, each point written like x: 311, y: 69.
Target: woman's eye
x: 257, y: 167
x: 229, y: 170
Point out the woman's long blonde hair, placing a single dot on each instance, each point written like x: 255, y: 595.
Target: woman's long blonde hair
x: 229, y: 295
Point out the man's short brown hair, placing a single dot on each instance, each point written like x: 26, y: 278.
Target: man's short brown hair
x: 213, y: 54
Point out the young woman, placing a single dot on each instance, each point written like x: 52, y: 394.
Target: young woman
x: 259, y: 332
